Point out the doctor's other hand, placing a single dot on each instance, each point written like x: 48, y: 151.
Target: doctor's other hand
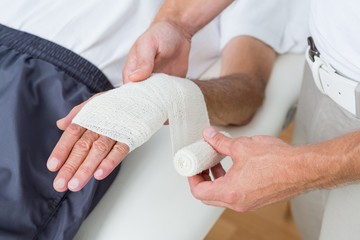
x: 263, y: 172
x: 81, y: 154
x: 164, y: 48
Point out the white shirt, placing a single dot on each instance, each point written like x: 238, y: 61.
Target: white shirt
x: 102, y: 31
x: 334, y: 26
x: 282, y: 24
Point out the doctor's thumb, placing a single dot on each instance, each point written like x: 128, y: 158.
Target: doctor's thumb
x: 140, y: 63
x: 221, y: 143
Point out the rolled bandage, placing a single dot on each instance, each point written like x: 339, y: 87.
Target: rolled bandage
x: 132, y: 113
x: 196, y: 157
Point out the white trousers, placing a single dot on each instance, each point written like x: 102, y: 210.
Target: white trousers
x: 325, y: 214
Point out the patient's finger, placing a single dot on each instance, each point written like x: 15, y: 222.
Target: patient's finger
x: 64, y: 146
x: 63, y: 123
x: 99, y: 150
x: 113, y: 159
x: 74, y: 160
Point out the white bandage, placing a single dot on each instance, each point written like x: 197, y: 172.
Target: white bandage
x: 195, y: 158
x: 132, y: 113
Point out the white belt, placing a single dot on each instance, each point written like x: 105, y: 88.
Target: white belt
x: 341, y: 90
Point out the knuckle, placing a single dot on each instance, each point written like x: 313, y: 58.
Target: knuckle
x: 241, y: 209
x: 238, y: 148
x: 220, y: 142
x: 235, y: 152
x: 236, y: 145
x: 195, y: 193
x: 231, y: 198
x: 86, y: 170
x: 62, y: 149
x: 82, y: 146
x: 101, y: 147
x: 68, y: 169
x: 217, y: 138
x: 238, y: 201
x: 121, y: 148
x: 260, y: 138
x: 112, y: 163
x: 74, y: 129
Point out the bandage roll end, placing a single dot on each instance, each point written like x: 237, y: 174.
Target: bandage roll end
x: 195, y: 158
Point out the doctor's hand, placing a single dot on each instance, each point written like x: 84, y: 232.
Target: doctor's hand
x: 164, y: 47
x: 81, y: 154
x: 263, y: 172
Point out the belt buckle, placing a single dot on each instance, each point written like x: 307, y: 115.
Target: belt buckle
x: 313, y: 58
x: 316, y: 65
x: 312, y: 50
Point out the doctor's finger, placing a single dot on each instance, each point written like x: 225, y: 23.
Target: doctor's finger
x: 218, y: 204
x: 198, y: 178
x: 209, y: 190
x: 218, y: 171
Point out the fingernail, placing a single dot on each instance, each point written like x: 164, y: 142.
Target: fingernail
x: 131, y: 75
x: 209, y: 132
x: 52, y: 164
x: 135, y: 71
x: 59, y: 122
x: 74, y: 183
x: 60, y: 183
x: 98, y: 173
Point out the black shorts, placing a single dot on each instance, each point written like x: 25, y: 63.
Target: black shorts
x: 40, y: 82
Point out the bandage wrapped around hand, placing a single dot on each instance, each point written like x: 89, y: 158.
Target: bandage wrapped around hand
x: 132, y: 113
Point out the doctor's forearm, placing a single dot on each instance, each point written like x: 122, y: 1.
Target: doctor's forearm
x: 190, y: 15
x: 331, y: 163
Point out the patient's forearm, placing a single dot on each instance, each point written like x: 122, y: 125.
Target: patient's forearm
x: 233, y: 98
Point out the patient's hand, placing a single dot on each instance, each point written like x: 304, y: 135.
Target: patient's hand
x: 81, y: 154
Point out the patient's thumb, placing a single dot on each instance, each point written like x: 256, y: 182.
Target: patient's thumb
x: 63, y: 123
